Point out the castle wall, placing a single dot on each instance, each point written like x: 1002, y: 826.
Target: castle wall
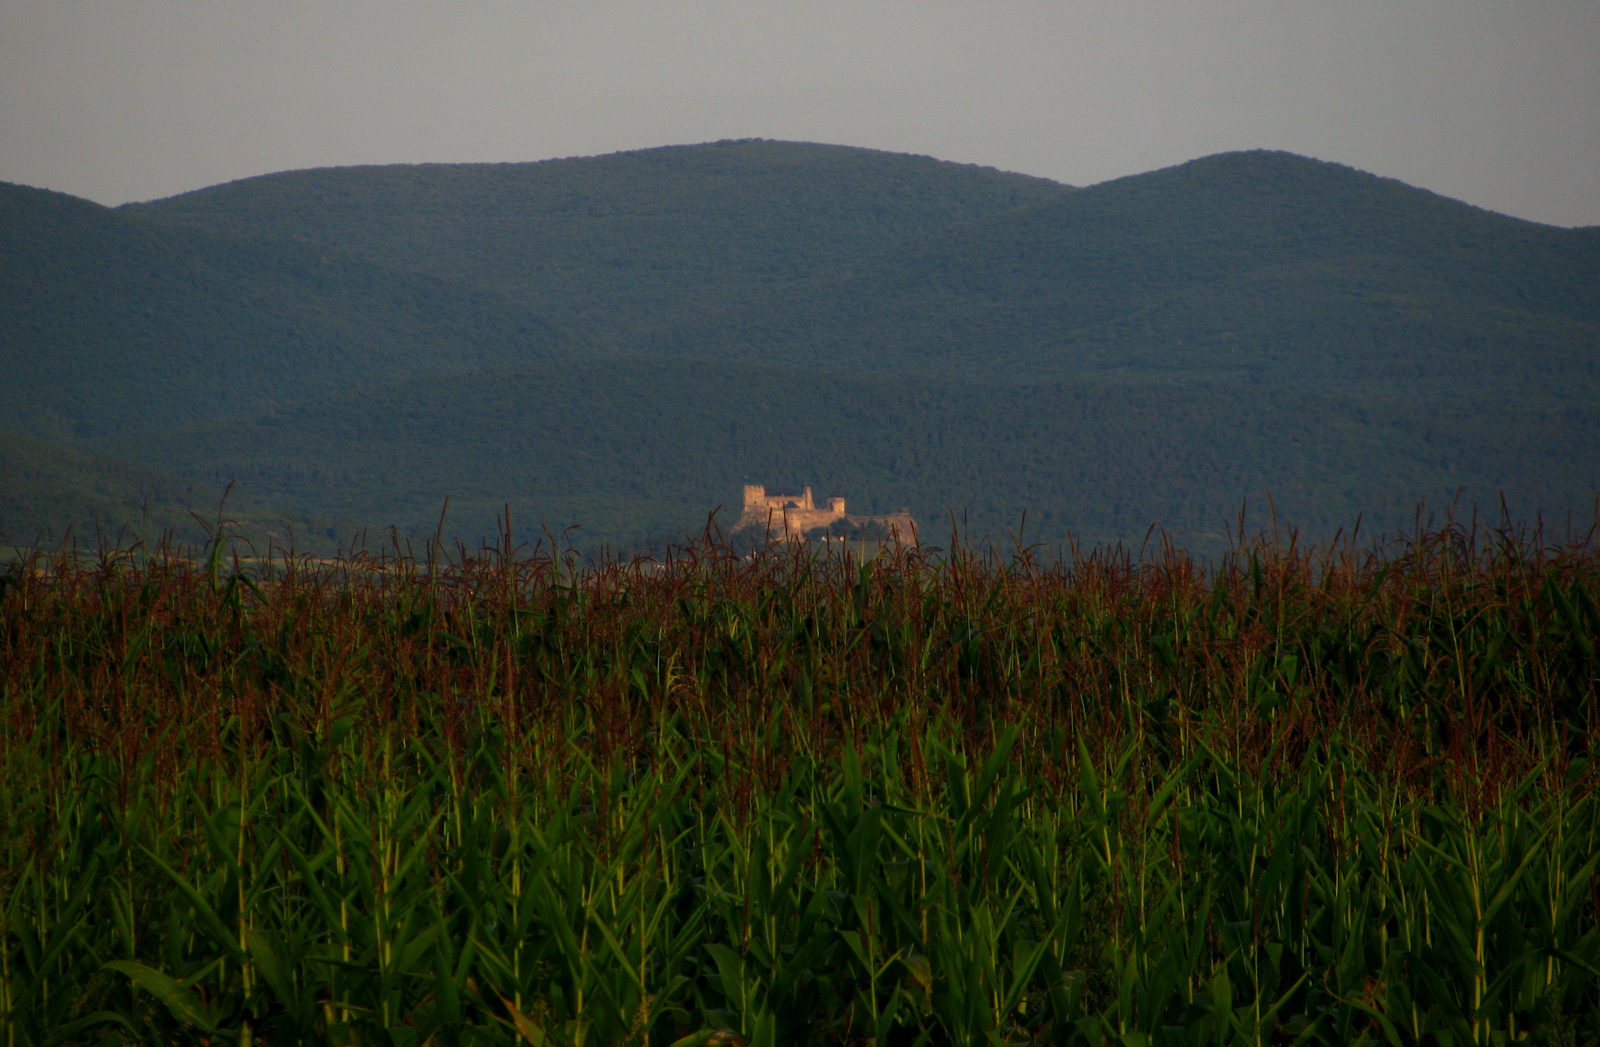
x: 795, y: 522
x: 791, y: 516
x: 757, y: 500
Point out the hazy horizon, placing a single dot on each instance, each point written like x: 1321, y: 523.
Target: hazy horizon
x: 121, y: 100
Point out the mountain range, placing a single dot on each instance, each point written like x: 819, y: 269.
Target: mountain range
x: 618, y: 343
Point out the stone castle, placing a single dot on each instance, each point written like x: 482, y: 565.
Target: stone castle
x: 795, y: 516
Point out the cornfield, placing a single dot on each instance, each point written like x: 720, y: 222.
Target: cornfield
x: 1327, y: 796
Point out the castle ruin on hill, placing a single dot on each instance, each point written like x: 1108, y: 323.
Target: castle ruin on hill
x: 796, y: 517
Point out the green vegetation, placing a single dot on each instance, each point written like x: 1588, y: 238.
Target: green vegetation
x: 112, y: 327
x: 1314, y: 796
x: 1263, y: 268
x: 636, y: 448
x: 1256, y: 266
x: 52, y: 496
x: 617, y: 246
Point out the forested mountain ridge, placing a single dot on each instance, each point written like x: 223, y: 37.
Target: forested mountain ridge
x: 111, y: 325
x: 620, y: 342
x: 617, y: 245
x: 1264, y: 267
x: 1260, y: 267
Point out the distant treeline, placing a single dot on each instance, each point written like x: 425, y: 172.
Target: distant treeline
x: 638, y: 447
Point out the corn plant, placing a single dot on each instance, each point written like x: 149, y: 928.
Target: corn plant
x: 1335, y: 796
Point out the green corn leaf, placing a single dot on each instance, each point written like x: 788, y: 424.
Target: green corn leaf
x: 710, y: 1038
x: 1503, y: 895
x: 311, y: 881
x: 731, y: 970
x: 221, y: 935
x: 1089, y: 781
x: 1174, y: 780
x: 266, y: 953
x: 185, y: 1006
x: 71, y: 1031
x: 1391, y: 1034
x: 529, y: 1030
x: 1025, y: 960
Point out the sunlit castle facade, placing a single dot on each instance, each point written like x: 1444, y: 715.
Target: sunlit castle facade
x: 794, y: 516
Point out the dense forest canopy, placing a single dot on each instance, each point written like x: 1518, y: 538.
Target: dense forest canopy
x: 620, y: 342
x: 646, y: 447
x: 618, y: 245
x: 114, y: 325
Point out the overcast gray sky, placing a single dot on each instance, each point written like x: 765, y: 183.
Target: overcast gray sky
x: 1497, y: 104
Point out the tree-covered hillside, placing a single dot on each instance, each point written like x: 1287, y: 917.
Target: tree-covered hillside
x: 621, y: 342
x: 111, y: 325
x: 637, y: 447
x: 1263, y: 267
x: 619, y: 245
x: 51, y: 495
x: 1260, y: 267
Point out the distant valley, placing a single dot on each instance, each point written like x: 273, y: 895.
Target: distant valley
x: 620, y: 342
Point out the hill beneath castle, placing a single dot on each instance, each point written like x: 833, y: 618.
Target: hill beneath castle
x: 638, y: 448
x: 620, y: 342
